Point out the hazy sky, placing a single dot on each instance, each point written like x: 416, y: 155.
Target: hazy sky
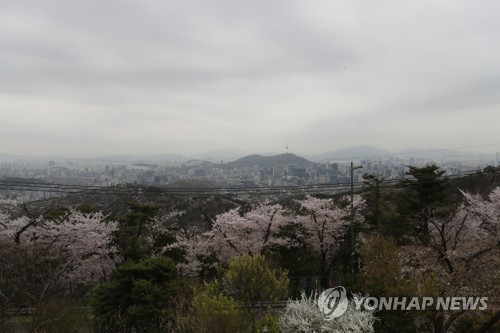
x: 179, y: 76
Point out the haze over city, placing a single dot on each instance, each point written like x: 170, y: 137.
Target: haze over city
x: 81, y: 78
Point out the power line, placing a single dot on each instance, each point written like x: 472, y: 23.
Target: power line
x: 43, y: 186
x: 31, y: 186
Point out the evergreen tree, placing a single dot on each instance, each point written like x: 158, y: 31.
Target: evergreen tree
x: 137, y: 297
x: 424, y: 197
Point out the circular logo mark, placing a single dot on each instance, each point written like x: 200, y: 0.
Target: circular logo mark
x: 333, y: 302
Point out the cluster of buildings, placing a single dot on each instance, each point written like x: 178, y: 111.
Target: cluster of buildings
x: 17, y: 177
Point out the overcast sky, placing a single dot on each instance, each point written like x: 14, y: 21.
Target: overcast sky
x: 179, y: 76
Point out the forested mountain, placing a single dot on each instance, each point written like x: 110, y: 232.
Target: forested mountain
x: 282, y: 160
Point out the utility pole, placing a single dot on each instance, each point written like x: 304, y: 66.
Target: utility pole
x: 352, y: 217
x: 377, y: 202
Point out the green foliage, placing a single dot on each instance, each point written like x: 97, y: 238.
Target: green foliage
x: 250, y: 281
x: 58, y: 315
x: 56, y: 213
x: 301, y: 262
x: 427, y: 186
x: 270, y: 323
x: 394, y: 280
x: 380, y: 211
x: 379, y: 252
x: 140, y: 212
x: 138, y: 216
x: 481, y: 182
x: 131, y: 229
x: 134, y: 249
x: 478, y: 321
x: 298, y: 260
x: 240, y: 301
x: 424, y: 197
x: 137, y: 296
x: 87, y: 209
x: 381, y: 276
x: 212, y: 311
x: 256, y: 286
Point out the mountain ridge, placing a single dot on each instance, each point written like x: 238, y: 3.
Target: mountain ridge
x: 361, y: 151
x: 233, y: 154
x: 270, y: 161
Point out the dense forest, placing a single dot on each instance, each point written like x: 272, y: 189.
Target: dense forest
x: 144, y: 260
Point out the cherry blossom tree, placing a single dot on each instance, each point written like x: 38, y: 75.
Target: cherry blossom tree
x: 461, y: 257
x: 77, y: 247
x: 325, y: 224
x: 160, y: 231
x: 320, y: 224
x: 465, y: 253
x: 253, y: 232
x: 233, y: 234
x: 40, y: 258
x: 469, y: 236
x: 83, y: 240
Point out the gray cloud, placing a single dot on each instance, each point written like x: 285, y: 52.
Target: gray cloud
x: 189, y: 76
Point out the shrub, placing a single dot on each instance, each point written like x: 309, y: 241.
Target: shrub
x: 304, y: 316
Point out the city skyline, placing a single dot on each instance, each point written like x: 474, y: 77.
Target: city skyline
x: 357, y: 154
x: 90, y: 78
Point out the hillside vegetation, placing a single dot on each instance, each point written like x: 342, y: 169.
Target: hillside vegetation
x: 140, y: 257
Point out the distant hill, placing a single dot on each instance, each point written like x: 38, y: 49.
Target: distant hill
x: 143, y: 157
x: 228, y: 154
x: 270, y: 161
x: 409, y: 151
x: 211, y: 156
x: 355, y: 152
x: 436, y: 153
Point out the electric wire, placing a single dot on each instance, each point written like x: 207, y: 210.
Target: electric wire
x: 31, y: 186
